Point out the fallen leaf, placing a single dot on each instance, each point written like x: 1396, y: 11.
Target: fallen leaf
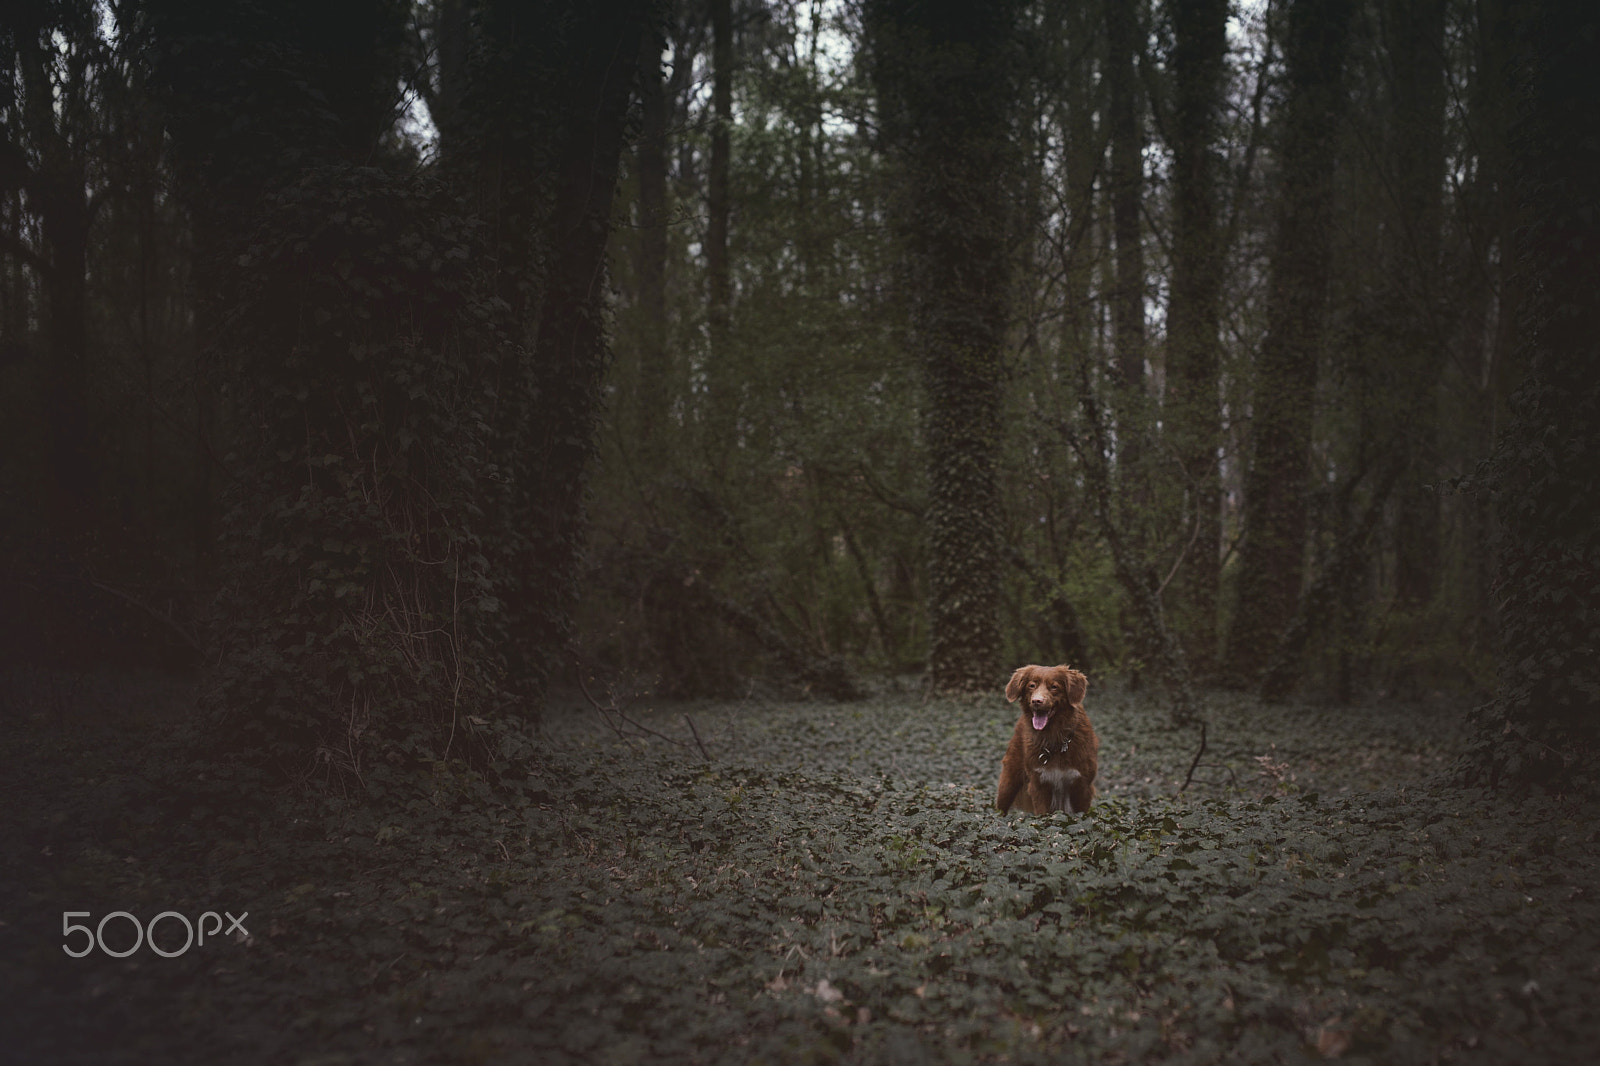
x: 1333, y: 1039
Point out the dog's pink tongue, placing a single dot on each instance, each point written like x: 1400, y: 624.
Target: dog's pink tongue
x: 1040, y: 721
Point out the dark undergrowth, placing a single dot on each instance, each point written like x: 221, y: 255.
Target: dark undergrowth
x: 830, y: 885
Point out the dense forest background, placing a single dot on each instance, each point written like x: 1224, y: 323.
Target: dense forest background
x: 395, y: 361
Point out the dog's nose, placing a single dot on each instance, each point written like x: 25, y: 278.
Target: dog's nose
x: 1039, y: 697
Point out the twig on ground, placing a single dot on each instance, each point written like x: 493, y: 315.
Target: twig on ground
x: 606, y: 714
x: 1223, y: 766
x: 697, y: 739
x: 646, y: 729
x: 1190, y: 775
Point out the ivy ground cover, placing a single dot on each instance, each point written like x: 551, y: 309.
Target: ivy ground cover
x: 825, y: 883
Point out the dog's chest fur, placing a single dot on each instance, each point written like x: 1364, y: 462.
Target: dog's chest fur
x: 1047, y: 762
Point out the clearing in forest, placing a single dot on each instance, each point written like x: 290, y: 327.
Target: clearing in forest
x: 832, y: 884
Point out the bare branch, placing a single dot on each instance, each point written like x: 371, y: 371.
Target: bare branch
x: 606, y: 714
x: 697, y: 739
x: 1202, y: 750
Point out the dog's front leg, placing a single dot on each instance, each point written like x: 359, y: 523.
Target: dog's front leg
x: 1013, y: 778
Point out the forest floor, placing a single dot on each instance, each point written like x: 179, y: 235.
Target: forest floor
x: 831, y: 884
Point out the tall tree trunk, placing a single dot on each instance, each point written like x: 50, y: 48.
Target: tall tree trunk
x: 1272, y: 554
x: 544, y: 100
x: 1127, y: 194
x: 1491, y: 201
x: 1544, y: 725
x: 813, y: 172
x: 570, y: 353
x: 57, y: 194
x: 723, y: 404
x: 1193, y: 315
x: 1416, y: 58
x: 945, y: 100
x: 66, y: 234
x: 14, y: 301
x: 451, y: 42
x: 1084, y: 152
x: 652, y: 265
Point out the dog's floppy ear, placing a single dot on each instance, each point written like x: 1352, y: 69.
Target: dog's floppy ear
x: 1077, y: 687
x: 1018, y: 679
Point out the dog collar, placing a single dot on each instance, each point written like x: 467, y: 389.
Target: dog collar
x: 1046, y: 752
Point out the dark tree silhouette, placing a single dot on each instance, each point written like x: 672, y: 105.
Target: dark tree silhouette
x: 652, y: 250
x: 1123, y: 40
x: 570, y: 352
x: 944, y: 100
x: 1544, y: 725
x: 55, y: 57
x: 1272, y: 554
x: 1415, y: 39
x: 419, y: 389
x: 719, y: 281
x: 1194, y: 349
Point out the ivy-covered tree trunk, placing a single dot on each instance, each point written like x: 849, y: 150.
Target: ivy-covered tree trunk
x: 1544, y: 725
x: 570, y: 353
x: 544, y: 105
x: 1271, y: 563
x: 419, y: 388
x: 941, y: 72
x: 1194, y: 349
x: 1415, y: 32
x: 337, y: 304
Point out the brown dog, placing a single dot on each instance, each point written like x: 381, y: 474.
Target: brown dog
x: 1051, y: 762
